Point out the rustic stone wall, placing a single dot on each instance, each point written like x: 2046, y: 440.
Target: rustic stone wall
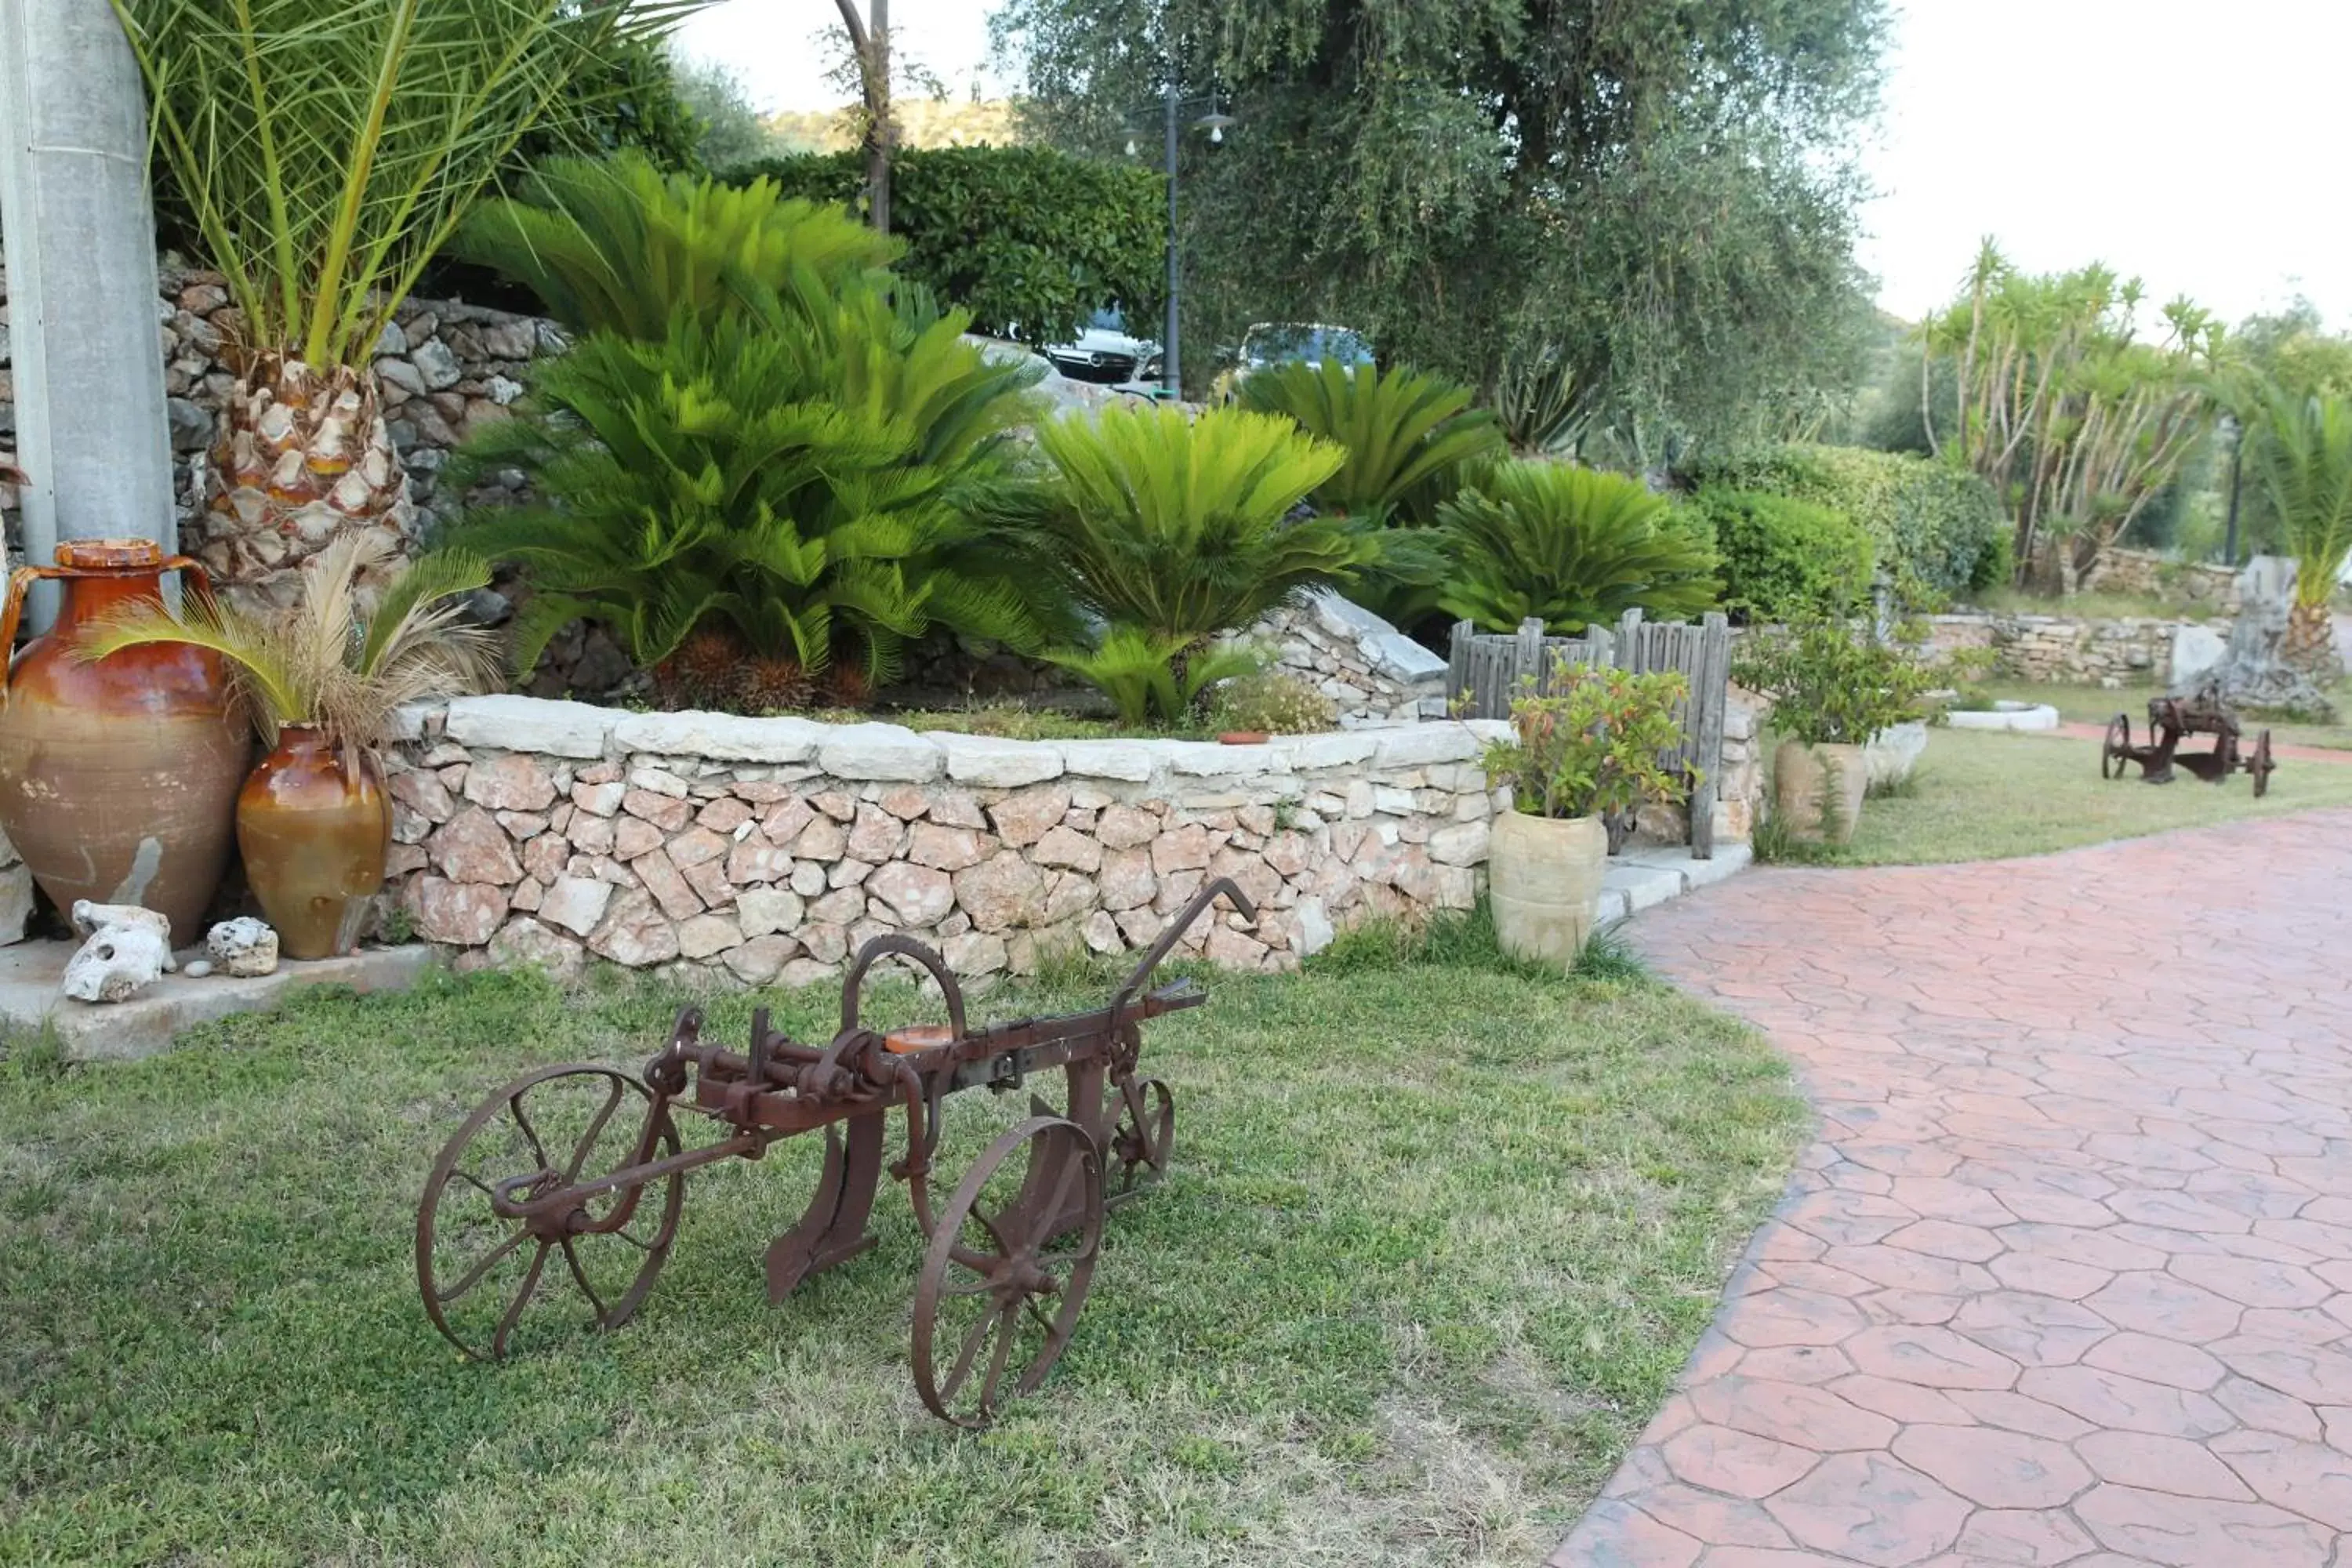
x: 1373, y: 673
x: 446, y: 368
x: 765, y: 851
x: 2132, y: 651
x: 15, y: 891
x: 2211, y: 588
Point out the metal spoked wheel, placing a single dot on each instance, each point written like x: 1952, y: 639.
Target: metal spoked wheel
x: 2261, y: 766
x: 2116, y: 751
x: 1142, y: 1136
x: 479, y: 1268
x: 1007, y: 1271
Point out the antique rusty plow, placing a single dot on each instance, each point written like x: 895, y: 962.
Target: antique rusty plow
x: 579, y: 1170
x: 2171, y: 720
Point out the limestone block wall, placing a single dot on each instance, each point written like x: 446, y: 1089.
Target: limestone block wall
x: 2204, y: 583
x: 1373, y: 673
x: 766, y: 851
x: 2129, y: 651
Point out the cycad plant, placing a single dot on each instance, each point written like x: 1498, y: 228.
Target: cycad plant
x: 1568, y: 546
x: 797, y: 479
x: 326, y: 150
x: 337, y: 656
x: 1401, y: 430
x: 613, y: 245
x: 2302, y: 452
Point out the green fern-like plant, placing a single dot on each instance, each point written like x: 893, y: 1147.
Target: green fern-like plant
x: 615, y: 244
x: 1568, y: 546
x: 1151, y: 678
x: 1405, y: 433
x: 806, y: 472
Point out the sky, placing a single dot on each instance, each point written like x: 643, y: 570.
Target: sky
x: 2200, y: 146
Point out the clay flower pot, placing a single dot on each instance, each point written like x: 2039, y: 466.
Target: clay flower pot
x: 315, y: 827
x: 1543, y: 876
x: 1818, y: 790
x: 118, y: 778
x: 1243, y: 738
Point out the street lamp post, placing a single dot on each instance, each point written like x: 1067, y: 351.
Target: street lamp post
x: 1172, y: 370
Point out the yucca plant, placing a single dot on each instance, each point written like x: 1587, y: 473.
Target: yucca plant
x: 326, y: 150
x: 1401, y: 430
x: 1568, y: 546
x: 2302, y: 452
x: 337, y: 656
x: 1544, y: 406
x: 613, y: 245
x: 803, y: 474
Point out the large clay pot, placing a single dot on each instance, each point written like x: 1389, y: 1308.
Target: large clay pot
x: 119, y: 779
x: 1543, y: 882
x: 314, y: 827
x: 1818, y: 790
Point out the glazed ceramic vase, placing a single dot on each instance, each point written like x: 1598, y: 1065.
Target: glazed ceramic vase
x: 118, y: 778
x: 314, y: 826
x: 1543, y: 883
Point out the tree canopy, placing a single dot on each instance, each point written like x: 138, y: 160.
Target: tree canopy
x: 1664, y: 194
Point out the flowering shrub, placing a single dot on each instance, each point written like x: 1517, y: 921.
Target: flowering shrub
x: 1830, y: 684
x: 1591, y: 746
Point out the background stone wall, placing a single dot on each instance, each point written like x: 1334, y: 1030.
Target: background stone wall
x: 2210, y: 587
x: 2133, y: 651
x: 762, y: 850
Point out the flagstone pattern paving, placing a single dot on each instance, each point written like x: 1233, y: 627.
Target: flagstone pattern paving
x: 2068, y: 1278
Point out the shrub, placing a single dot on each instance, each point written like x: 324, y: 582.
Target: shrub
x: 1933, y: 523
x: 1783, y: 557
x: 1568, y: 546
x: 1829, y: 684
x: 1403, y: 431
x: 1269, y: 702
x: 1030, y: 240
x: 802, y: 473
x: 615, y: 244
x: 1591, y: 746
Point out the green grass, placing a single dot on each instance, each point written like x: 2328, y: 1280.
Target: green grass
x: 1984, y: 795
x: 2100, y: 606
x: 2096, y: 705
x: 1437, y: 1238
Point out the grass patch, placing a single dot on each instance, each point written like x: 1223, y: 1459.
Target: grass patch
x: 1437, y: 1239
x: 2102, y: 605
x: 1982, y: 795
x: 2096, y: 705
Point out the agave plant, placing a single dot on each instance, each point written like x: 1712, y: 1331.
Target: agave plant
x: 1544, y: 406
x: 2302, y: 452
x: 1404, y: 433
x: 336, y: 658
x: 613, y: 245
x: 1568, y: 546
x: 802, y: 474
x: 326, y: 152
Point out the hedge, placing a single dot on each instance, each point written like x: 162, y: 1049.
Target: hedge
x: 1784, y: 559
x: 1030, y: 240
x: 1936, y: 526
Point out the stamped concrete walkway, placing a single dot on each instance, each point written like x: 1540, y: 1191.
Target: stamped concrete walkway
x: 2068, y: 1276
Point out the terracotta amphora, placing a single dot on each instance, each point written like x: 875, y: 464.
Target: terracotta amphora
x: 315, y: 827
x: 118, y: 778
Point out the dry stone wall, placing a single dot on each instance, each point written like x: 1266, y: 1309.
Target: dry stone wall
x: 766, y: 851
x: 2130, y: 651
x: 1373, y: 673
x: 2205, y: 585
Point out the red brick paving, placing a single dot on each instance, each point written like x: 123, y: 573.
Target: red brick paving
x: 2068, y: 1278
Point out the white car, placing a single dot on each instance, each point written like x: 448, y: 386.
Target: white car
x: 1106, y: 350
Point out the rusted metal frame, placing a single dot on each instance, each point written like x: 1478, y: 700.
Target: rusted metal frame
x: 745, y: 1144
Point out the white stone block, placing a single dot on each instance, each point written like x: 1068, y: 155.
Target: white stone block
x: 721, y: 735
x: 1130, y: 761
x: 513, y: 723
x: 989, y: 763
x: 880, y: 751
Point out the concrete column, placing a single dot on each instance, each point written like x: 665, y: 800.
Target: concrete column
x: 93, y: 432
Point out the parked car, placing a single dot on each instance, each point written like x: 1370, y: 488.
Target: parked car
x: 1106, y: 350
x: 1286, y: 343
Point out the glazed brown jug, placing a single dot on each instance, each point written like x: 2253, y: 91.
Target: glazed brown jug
x: 315, y: 828
x: 117, y: 779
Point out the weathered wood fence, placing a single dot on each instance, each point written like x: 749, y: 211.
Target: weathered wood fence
x: 1488, y: 669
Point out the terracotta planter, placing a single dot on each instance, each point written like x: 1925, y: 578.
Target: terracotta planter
x: 1243, y: 738
x: 1543, y: 882
x: 119, y: 779
x: 1818, y: 790
x: 315, y: 827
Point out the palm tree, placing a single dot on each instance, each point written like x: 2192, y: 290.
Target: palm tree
x: 2303, y: 456
x: 327, y: 149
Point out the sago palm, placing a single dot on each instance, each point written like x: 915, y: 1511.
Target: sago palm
x: 1568, y: 546
x: 2302, y: 452
x: 1401, y: 430
x: 327, y: 149
x: 803, y: 475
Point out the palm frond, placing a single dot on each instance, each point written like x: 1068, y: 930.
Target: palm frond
x: 1568, y: 546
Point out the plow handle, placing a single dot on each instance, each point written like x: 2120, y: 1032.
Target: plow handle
x: 1169, y: 938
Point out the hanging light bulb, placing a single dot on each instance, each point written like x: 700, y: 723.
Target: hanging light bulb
x: 1131, y: 147
x: 1216, y: 135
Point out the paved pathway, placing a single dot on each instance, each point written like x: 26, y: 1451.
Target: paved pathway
x: 2068, y: 1278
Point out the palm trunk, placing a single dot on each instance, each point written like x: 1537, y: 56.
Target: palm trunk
x: 303, y: 455
x: 2310, y: 643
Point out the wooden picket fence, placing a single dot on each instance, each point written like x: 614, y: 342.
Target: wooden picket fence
x: 1488, y: 669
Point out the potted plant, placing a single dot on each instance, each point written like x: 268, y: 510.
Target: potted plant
x: 1832, y: 690
x: 1584, y: 758
x: 320, y: 679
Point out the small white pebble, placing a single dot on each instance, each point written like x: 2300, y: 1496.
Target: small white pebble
x: 197, y: 970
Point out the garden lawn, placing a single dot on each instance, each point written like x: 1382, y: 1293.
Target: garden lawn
x: 1437, y: 1239
x: 2098, y: 705
x: 1985, y: 795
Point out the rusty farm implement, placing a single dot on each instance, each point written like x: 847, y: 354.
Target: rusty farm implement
x: 579, y: 1171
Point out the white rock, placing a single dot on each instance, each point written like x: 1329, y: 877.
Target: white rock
x: 889, y: 751
x: 117, y: 963
x: 1311, y: 931
x: 721, y: 735
x: 1334, y: 750
x: 196, y: 969
x: 1128, y: 760
x: 514, y: 723
x: 988, y: 762
x: 90, y: 918
x: 764, y: 911
x: 575, y: 903
x: 1199, y: 759
x: 244, y: 947
x: 1411, y: 745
